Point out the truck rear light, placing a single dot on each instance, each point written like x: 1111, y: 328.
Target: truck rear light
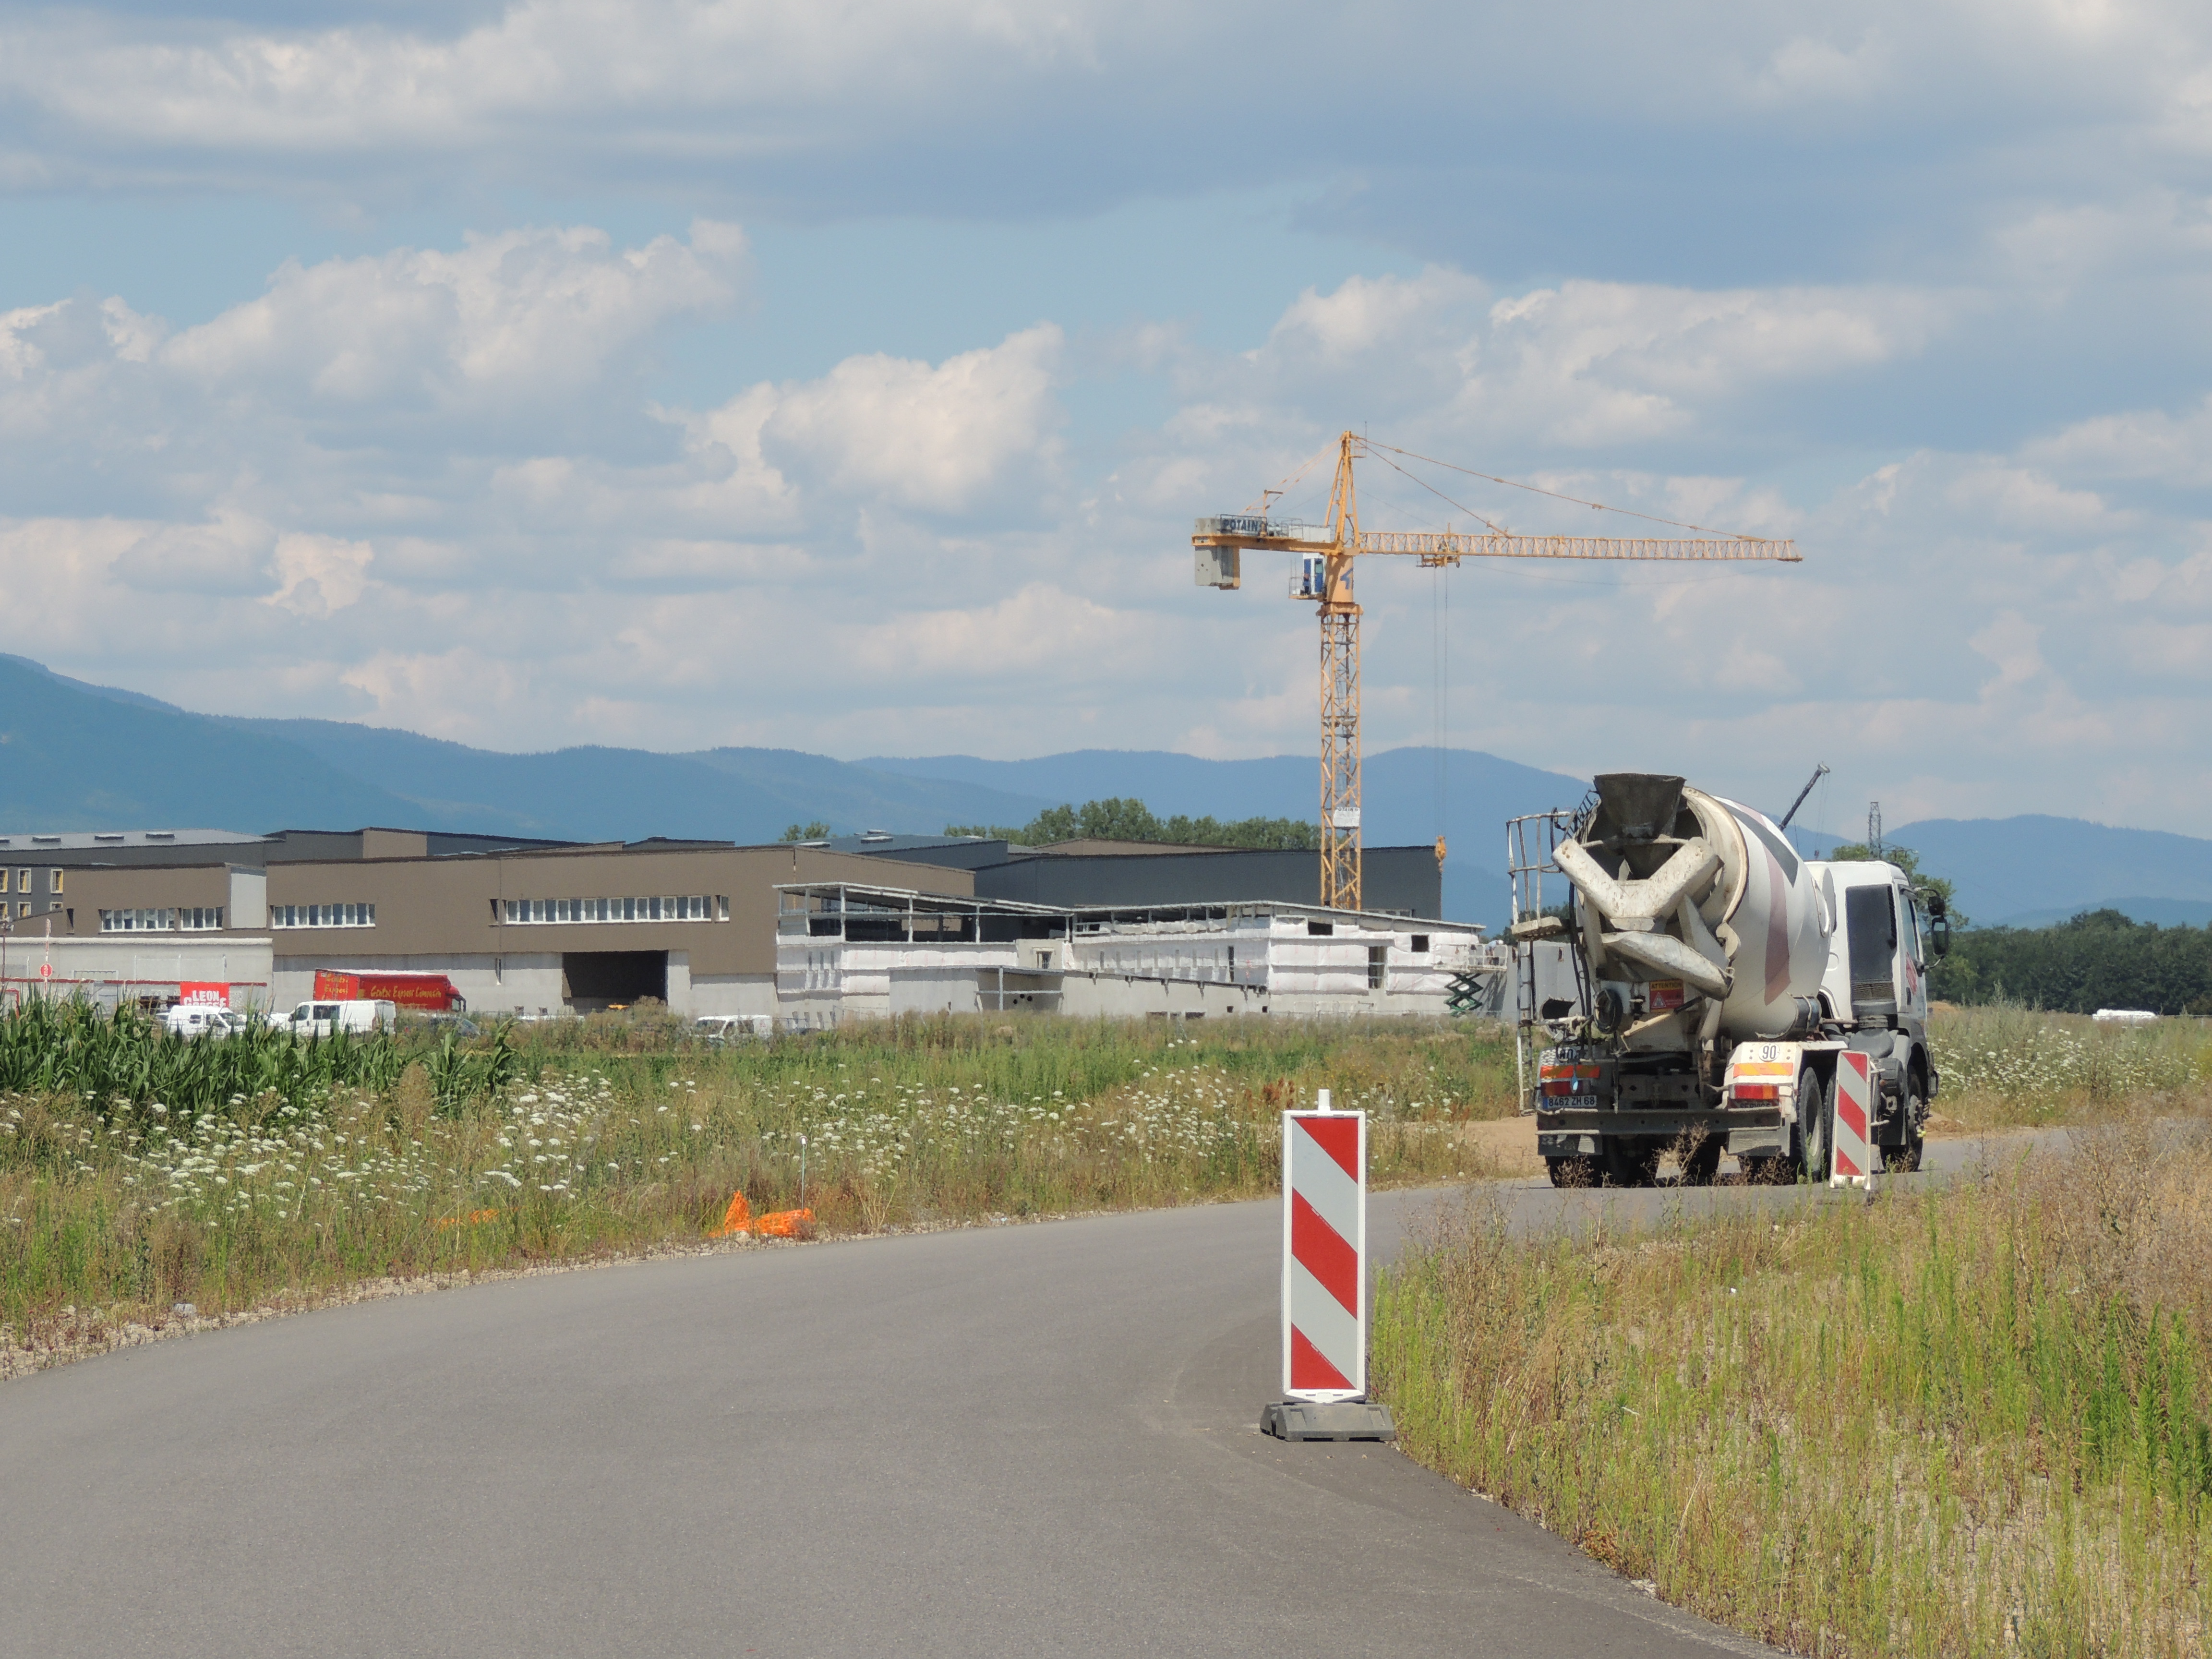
x: 1757, y: 1091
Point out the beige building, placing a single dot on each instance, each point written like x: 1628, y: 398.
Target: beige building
x: 533, y: 932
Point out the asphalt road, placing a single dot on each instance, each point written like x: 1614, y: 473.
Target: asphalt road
x: 1032, y: 1440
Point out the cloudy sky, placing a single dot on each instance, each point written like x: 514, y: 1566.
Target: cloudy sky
x: 845, y: 376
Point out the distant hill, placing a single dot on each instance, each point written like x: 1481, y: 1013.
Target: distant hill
x: 2166, y: 913
x: 607, y: 794
x: 79, y: 756
x: 2051, y: 868
x: 73, y: 756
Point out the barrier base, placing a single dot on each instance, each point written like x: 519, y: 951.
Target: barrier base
x: 1335, y: 1420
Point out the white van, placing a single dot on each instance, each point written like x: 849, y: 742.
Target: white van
x: 719, y: 1030
x: 320, y: 1019
x: 198, y: 1019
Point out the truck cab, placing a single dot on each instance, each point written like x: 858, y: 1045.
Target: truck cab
x: 1874, y: 993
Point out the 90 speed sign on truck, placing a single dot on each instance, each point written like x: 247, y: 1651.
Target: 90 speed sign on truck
x: 1697, y: 990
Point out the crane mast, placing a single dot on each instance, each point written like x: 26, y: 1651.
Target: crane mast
x: 1327, y: 552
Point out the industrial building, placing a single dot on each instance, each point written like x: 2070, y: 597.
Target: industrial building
x: 804, y: 935
x: 845, y: 950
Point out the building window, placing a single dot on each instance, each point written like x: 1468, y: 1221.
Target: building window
x: 55, y: 886
x: 23, y: 909
x: 322, y: 915
x: 1319, y: 929
x: 22, y: 881
x: 1378, y: 956
x: 686, y: 907
x: 190, y: 918
x: 1421, y: 944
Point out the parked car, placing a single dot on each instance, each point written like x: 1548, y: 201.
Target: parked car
x: 721, y: 1028
x: 459, y: 1025
x: 198, y: 1019
x: 322, y: 1019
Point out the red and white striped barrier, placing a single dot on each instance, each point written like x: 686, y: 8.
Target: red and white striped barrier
x: 1851, y: 1151
x: 1324, y: 1253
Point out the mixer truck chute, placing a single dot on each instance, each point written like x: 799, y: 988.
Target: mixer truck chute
x: 1696, y: 988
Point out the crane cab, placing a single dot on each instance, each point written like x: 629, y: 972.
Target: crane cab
x: 1312, y: 581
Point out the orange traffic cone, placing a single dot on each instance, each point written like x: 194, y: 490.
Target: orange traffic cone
x: 737, y: 1219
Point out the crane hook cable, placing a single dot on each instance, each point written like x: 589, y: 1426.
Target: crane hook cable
x: 1538, y: 489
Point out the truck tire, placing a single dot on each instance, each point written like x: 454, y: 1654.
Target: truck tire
x: 1904, y: 1157
x: 1810, y: 1154
x: 1574, y: 1171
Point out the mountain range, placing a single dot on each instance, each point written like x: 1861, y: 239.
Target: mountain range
x: 75, y: 755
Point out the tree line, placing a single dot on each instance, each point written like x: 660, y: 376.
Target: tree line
x: 1116, y: 819
x: 2100, y: 959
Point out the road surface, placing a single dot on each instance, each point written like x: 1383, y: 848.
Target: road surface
x: 1031, y: 1440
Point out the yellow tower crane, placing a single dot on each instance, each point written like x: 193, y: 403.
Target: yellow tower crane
x: 1327, y: 551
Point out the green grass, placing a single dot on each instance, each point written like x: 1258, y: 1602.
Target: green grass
x: 1973, y: 1421
x: 582, y: 1138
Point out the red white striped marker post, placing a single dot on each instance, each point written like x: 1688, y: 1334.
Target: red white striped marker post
x: 1324, y: 1253
x: 1850, y: 1139
x: 1325, y: 1281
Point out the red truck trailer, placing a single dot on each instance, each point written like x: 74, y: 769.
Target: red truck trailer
x: 419, y: 993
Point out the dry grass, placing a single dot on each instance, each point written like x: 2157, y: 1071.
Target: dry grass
x: 1974, y: 1419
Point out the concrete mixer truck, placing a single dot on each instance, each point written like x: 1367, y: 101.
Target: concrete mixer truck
x: 1694, y: 990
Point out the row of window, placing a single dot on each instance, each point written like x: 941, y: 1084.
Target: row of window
x: 691, y: 907
x: 322, y: 915
x: 190, y: 918
x: 23, y: 881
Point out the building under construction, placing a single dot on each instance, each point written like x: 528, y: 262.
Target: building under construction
x: 802, y: 935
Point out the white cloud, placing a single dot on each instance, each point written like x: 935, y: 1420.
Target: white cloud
x: 932, y: 438
x: 519, y: 315
x: 319, y: 575
x: 2152, y: 444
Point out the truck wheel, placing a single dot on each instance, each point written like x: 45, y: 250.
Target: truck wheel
x: 1576, y: 1171
x: 1812, y: 1124
x: 1699, y: 1167
x: 1904, y: 1158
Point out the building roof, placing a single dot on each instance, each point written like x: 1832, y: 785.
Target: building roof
x: 863, y: 898
x: 1098, y: 847
x: 31, y: 841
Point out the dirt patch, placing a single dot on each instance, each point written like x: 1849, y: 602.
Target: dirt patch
x: 1502, y: 1149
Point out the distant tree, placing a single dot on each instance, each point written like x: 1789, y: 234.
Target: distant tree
x: 2098, y: 959
x: 1117, y: 820
x: 1907, y: 860
x: 817, y: 830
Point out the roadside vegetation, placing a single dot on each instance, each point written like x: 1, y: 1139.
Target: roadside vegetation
x: 140, y: 1171
x: 2006, y: 1067
x: 1968, y: 1419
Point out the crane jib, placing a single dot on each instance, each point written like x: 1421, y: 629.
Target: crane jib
x: 1329, y: 547
x: 1445, y: 548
